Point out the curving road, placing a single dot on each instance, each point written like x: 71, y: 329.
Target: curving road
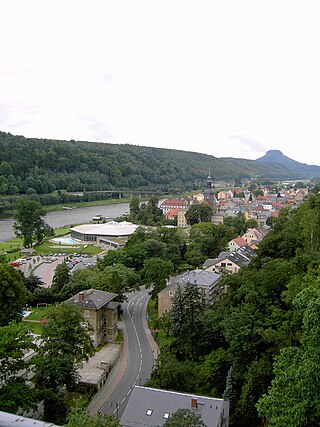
x: 140, y: 355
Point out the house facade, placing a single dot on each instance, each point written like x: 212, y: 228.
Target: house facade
x: 206, y: 281
x: 181, y: 218
x: 100, y: 310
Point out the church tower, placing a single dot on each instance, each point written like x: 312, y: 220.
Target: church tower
x: 208, y: 193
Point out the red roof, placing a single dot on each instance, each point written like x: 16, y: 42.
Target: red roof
x: 239, y: 241
x: 172, y: 213
x: 173, y: 202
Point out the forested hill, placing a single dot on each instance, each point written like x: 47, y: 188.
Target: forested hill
x: 44, y: 165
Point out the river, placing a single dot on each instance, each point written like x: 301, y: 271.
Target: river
x: 68, y: 217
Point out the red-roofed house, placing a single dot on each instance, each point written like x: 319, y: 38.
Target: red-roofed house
x: 236, y: 243
x: 172, y: 213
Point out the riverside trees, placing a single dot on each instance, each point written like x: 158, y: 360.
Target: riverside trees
x: 29, y: 223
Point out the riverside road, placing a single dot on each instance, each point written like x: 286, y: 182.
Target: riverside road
x: 141, y: 351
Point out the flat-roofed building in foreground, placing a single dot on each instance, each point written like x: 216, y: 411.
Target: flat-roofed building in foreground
x: 112, y: 233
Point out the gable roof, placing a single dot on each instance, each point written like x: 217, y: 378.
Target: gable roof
x: 212, y: 261
x: 91, y: 299
x: 239, y: 241
x: 148, y: 406
x: 240, y: 257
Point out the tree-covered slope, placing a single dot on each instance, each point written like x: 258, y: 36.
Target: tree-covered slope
x: 258, y: 344
x: 48, y: 165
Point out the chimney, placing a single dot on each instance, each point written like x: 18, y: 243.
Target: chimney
x: 81, y: 296
x: 194, y: 403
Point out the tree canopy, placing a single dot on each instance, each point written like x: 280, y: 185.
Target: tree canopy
x: 183, y: 418
x: 29, y: 223
x: 15, y: 343
x: 12, y: 294
x: 65, y: 344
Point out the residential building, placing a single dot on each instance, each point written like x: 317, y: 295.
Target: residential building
x: 236, y: 243
x: 230, y: 261
x: 172, y: 213
x: 218, y: 217
x: 101, y: 311
x: 207, y: 283
x: 169, y: 204
x: 153, y: 407
x: 225, y: 195
x: 181, y: 218
x: 252, y: 235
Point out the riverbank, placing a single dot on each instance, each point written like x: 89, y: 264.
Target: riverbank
x: 72, y: 206
x: 69, y: 217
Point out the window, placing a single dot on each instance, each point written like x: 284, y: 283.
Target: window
x: 171, y: 293
x: 166, y: 415
x: 104, y: 320
x: 86, y: 313
x: 149, y: 412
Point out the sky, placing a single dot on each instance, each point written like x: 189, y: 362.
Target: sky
x: 225, y: 78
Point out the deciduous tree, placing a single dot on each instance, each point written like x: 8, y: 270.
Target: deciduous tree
x: 65, y: 344
x: 15, y: 342
x: 29, y: 223
x: 12, y: 294
x: 183, y: 418
x: 198, y: 213
x: 61, y: 277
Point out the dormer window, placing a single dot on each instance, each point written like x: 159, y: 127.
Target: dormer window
x: 166, y: 415
x: 149, y: 412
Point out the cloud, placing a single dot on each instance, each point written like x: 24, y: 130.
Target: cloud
x: 249, y: 146
x: 99, y: 130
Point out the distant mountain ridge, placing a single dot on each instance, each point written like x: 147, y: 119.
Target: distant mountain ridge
x: 276, y: 157
x: 49, y: 167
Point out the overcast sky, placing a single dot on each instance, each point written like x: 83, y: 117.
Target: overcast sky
x: 226, y: 78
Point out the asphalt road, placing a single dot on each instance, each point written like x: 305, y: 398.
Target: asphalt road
x: 141, y: 354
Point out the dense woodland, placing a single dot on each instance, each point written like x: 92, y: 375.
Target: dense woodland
x: 43, y: 166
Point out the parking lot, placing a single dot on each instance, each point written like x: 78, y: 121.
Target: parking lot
x: 44, y: 266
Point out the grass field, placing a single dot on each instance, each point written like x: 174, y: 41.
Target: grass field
x: 34, y: 327
x: 33, y: 321
x: 12, y: 248
x: 37, y: 313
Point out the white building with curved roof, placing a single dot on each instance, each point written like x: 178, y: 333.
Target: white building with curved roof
x: 107, y: 233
